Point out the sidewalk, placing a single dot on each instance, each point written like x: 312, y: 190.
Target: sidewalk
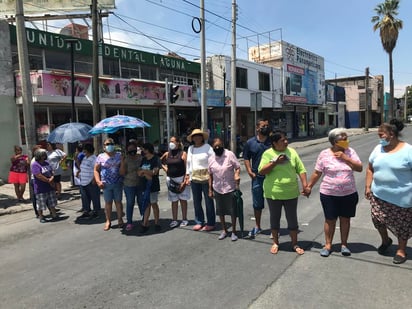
x: 9, y: 204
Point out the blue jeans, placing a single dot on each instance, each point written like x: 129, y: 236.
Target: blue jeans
x: 257, y: 193
x: 197, y: 190
x: 133, y: 195
x: 90, y: 194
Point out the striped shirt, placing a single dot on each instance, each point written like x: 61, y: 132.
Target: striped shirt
x: 86, y: 174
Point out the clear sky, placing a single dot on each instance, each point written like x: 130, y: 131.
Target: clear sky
x: 338, y: 30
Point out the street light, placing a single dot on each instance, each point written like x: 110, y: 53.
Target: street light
x: 72, y: 43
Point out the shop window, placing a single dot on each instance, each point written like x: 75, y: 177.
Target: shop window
x: 264, y: 81
x: 58, y: 60
x: 148, y: 72
x: 241, y: 78
x: 321, y: 119
x: 111, y: 67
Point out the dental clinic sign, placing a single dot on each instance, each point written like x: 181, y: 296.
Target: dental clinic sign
x: 48, y: 40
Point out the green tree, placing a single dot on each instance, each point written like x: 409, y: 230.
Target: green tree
x: 385, y: 20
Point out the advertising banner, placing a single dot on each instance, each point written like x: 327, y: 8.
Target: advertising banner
x: 52, y: 84
x: 304, y: 75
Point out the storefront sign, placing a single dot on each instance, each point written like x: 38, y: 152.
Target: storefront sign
x: 48, y: 40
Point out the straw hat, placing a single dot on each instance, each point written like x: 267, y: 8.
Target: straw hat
x: 198, y: 132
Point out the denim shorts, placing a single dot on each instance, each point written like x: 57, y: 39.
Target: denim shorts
x: 257, y: 193
x: 113, y: 192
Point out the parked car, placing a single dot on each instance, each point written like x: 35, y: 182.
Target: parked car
x: 409, y: 118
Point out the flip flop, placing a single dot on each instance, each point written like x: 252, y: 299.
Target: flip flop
x: 399, y: 259
x: 298, y: 250
x: 274, y: 249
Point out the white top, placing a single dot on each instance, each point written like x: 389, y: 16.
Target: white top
x: 198, y: 158
x: 87, y: 170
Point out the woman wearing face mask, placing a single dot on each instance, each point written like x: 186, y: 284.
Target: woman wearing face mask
x: 108, y: 178
x: 198, y: 176
x: 281, y: 166
x: 131, y: 183
x: 224, y: 178
x: 388, y: 186
x: 174, y: 164
x: 338, y: 194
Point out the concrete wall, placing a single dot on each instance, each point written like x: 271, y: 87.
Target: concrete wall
x: 9, y: 123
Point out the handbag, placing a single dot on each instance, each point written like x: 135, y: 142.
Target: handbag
x: 174, y: 186
x: 200, y: 176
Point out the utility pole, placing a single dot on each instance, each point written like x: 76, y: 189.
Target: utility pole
x: 97, y: 53
x: 233, y: 132
x: 405, y: 105
x: 167, y: 94
x: 27, y: 96
x: 203, y: 106
x: 367, y: 107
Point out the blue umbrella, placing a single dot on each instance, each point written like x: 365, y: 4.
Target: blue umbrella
x: 115, y: 123
x: 70, y: 133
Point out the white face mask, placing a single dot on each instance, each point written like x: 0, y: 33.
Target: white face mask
x: 172, y: 146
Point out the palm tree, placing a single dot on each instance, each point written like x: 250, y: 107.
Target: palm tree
x: 389, y: 27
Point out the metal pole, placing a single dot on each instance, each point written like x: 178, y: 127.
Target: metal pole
x: 367, y: 99
x: 203, y: 106
x: 233, y: 132
x: 97, y: 54
x: 72, y: 43
x: 167, y: 109
x: 27, y: 96
x: 405, y: 105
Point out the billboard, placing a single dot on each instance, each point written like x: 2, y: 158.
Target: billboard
x: 8, y: 7
x: 304, y: 75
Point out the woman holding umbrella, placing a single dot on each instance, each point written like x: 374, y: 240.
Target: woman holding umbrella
x: 108, y: 178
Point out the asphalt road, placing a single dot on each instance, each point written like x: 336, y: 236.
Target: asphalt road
x: 75, y: 264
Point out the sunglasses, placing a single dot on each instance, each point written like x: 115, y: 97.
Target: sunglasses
x: 109, y: 144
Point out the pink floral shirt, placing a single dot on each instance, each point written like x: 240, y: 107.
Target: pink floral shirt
x: 338, y: 178
x: 223, y: 170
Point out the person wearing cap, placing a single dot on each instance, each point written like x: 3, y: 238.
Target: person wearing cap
x: 197, y: 176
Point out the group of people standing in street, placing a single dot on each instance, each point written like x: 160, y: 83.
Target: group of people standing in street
x: 211, y: 173
x: 274, y: 169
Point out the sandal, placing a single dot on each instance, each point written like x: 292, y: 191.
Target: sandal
x: 384, y: 247
x: 107, y: 227
x: 298, y: 250
x: 274, y: 249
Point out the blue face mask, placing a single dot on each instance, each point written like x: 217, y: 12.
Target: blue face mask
x: 110, y: 148
x: 383, y: 142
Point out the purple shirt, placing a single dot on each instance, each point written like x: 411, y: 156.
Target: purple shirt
x: 109, y: 167
x: 223, y: 170
x: 46, y: 170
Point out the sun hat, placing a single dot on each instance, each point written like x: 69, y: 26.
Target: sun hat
x: 198, y: 132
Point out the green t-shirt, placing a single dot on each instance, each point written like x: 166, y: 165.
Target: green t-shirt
x: 282, y: 181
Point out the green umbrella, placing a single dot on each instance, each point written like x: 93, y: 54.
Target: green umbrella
x: 239, y: 209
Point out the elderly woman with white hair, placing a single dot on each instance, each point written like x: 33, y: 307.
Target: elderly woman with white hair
x: 43, y: 183
x: 338, y: 194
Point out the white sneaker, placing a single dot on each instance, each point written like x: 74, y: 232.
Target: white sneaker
x: 173, y: 224
x: 184, y: 223
x: 234, y: 237
x: 222, y: 236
